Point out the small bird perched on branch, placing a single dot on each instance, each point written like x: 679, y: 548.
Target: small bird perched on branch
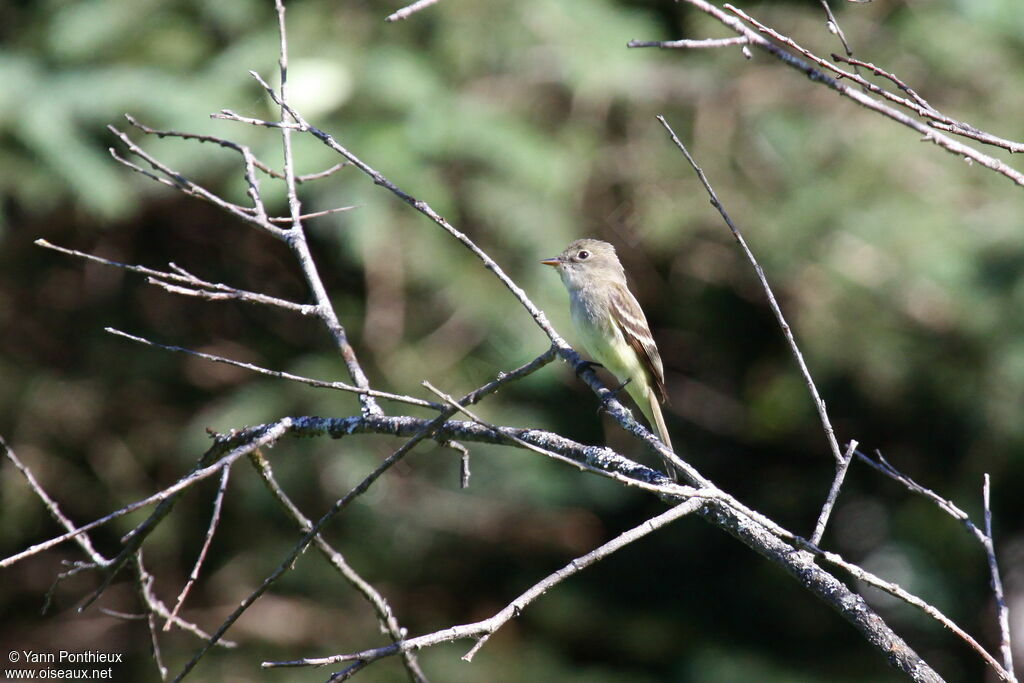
x: 613, y: 327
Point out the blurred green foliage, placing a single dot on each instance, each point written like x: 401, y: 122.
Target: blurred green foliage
x: 527, y: 124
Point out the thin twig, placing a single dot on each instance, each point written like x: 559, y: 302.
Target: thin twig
x: 53, y: 508
x: 937, y: 120
x: 321, y: 174
x: 482, y: 630
x: 464, y: 472
x: 177, y: 180
x: 296, y: 238
x: 212, y: 291
x: 144, y: 587
x: 949, y: 507
x: 385, y: 615
x: 911, y: 599
x: 659, y: 487
x: 427, y: 430
x: 409, y: 10
x: 689, y: 44
x: 928, y: 132
x: 878, y: 71
x: 315, y: 214
x: 833, y: 493
x: 248, y: 158
x: 1005, y: 645
x: 250, y: 440
x: 228, y: 115
x: 833, y: 25
x: 218, y: 501
x: 341, y: 386
x: 819, y: 404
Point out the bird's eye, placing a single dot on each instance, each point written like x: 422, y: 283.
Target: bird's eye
x: 583, y: 255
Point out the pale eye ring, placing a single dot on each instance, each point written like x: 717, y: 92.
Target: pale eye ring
x: 583, y: 255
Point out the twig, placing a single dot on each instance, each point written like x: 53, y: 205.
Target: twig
x: 689, y: 44
x: 482, y: 630
x: 315, y: 214
x: 212, y: 291
x: 250, y: 439
x: 341, y: 386
x: 896, y: 591
x: 834, y: 26
x: 949, y: 507
x: 1005, y: 646
x: 53, y: 508
x: 426, y: 430
x: 464, y: 472
x: 819, y: 404
x: 833, y: 493
x: 155, y: 642
x: 177, y: 180
x: 248, y: 158
x: 228, y: 115
x: 144, y: 587
x: 385, y: 615
x: 916, y: 104
x: 218, y: 500
x: 409, y: 10
x: 321, y: 174
x: 823, y: 414
x: 878, y: 71
x: 660, y: 487
x: 296, y: 238
x: 928, y: 132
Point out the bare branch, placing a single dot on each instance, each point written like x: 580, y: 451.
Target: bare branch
x: 144, y: 588
x: 819, y: 404
x: 341, y: 386
x: 222, y: 454
x: 53, y: 508
x: 842, y: 462
x: 409, y: 10
x: 218, y: 500
x: 248, y: 158
x: 878, y: 71
x: 1005, y: 645
x: 949, y: 507
x: 833, y: 493
x: 928, y: 133
x: 228, y: 115
x: 385, y: 615
x: 689, y: 44
x: 834, y: 27
x: 212, y: 291
x: 424, y: 430
x: 932, y: 611
x: 321, y: 174
x: 482, y: 630
x: 296, y: 239
x: 315, y: 214
x: 177, y: 180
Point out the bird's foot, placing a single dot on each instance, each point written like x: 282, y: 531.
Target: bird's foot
x: 612, y: 393
x: 587, y: 365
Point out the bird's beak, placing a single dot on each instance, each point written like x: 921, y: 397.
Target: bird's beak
x: 551, y: 262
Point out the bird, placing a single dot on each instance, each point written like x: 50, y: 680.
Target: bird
x: 613, y: 328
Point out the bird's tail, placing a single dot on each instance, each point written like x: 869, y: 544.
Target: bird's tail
x: 652, y: 409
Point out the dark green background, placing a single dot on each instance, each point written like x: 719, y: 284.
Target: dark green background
x: 527, y: 124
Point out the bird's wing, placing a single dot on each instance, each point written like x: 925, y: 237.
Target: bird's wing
x: 630, y: 319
